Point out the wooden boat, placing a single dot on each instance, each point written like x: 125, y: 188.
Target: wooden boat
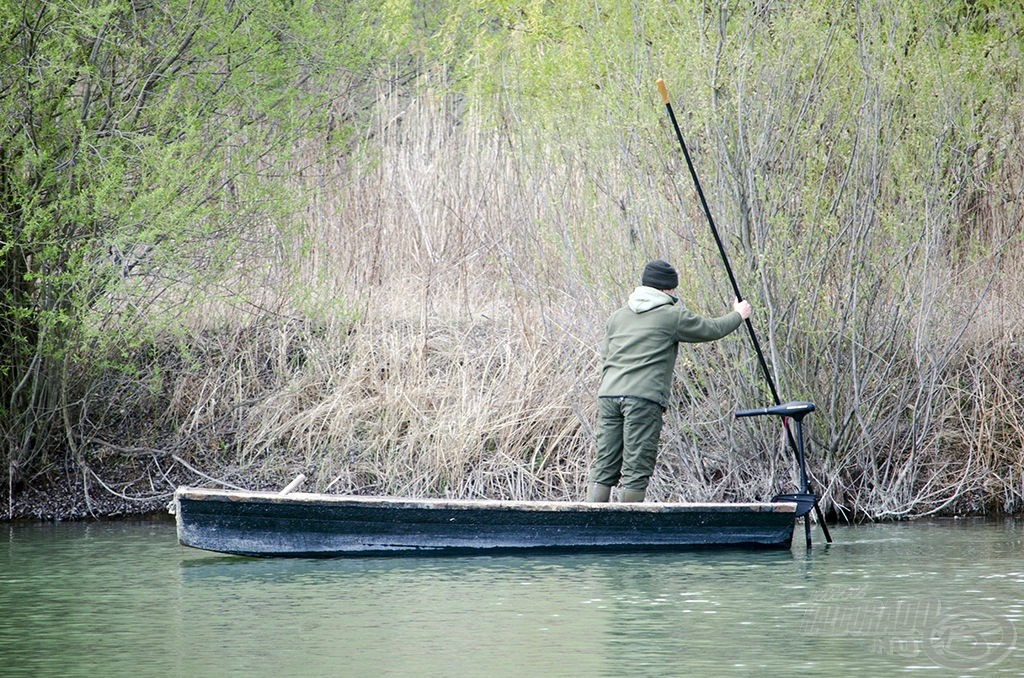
x: 320, y: 525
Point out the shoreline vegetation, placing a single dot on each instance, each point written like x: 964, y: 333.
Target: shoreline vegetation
x: 238, y: 247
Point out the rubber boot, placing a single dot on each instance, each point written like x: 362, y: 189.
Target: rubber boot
x: 599, y: 492
x: 631, y: 496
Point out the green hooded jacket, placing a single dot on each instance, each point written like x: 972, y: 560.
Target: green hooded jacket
x: 638, y: 352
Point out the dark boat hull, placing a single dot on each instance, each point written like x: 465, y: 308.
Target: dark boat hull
x: 317, y: 525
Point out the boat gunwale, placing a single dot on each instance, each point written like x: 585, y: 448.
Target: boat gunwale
x: 244, y: 496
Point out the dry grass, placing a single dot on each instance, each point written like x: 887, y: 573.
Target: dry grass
x: 432, y: 330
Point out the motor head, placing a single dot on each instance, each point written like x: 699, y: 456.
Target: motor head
x: 795, y: 409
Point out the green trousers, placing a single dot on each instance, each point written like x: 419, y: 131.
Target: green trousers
x: 628, y: 431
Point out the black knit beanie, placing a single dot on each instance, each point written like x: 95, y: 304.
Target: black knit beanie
x: 660, y: 275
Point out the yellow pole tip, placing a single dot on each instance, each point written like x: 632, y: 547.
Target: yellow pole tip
x: 663, y: 90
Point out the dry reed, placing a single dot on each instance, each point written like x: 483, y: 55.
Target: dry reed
x: 433, y: 331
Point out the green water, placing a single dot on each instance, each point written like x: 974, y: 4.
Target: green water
x: 101, y: 599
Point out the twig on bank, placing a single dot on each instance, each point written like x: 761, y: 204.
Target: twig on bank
x: 203, y: 475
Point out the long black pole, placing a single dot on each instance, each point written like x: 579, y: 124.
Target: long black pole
x: 718, y: 241
x: 736, y: 290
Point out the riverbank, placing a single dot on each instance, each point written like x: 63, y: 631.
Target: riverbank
x: 65, y: 502
x: 66, y: 496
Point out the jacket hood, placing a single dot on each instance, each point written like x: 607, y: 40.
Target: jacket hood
x: 644, y: 299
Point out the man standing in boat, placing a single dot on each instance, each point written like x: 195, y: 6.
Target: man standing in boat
x: 638, y: 356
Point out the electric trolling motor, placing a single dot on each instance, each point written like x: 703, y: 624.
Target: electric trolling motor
x: 805, y: 499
